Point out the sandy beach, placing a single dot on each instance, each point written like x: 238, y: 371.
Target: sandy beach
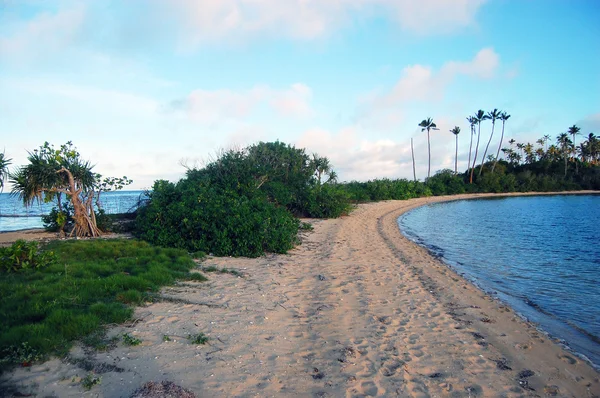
x: 355, y: 310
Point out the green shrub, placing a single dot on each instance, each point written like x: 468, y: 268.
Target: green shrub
x: 23, y: 255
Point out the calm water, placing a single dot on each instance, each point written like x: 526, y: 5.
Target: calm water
x: 14, y: 216
x: 539, y: 254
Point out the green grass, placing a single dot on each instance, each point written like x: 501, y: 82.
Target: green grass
x: 212, y: 268
x: 94, y: 283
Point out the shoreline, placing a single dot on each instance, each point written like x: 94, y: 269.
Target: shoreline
x: 539, y: 318
x: 356, y: 310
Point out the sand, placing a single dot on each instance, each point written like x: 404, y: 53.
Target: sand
x: 356, y: 310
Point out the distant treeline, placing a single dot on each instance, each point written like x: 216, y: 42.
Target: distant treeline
x: 247, y: 201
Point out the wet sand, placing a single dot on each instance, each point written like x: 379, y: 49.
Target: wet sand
x: 356, y: 310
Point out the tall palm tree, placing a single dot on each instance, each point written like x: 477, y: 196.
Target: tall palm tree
x: 4, y: 163
x: 456, y: 132
x: 573, y: 131
x: 428, y: 124
x: 480, y: 116
x: 565, y: 145
x: 471, y: 121
x: 493, y: 115
x: 504, y: 117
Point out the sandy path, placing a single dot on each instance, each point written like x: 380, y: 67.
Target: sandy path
x: 356, y: 310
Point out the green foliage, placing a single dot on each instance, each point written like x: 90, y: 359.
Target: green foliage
x: 199, y: 338
x: 131, y: 340
x: 19, y: 354
x: 384, y: 189
x: 243, y: 203
x: 4, y: 163
x: 91, y: 285
x: 445, y: 182
x: 23, y: 255
x: 326, y: 201
x: 90, y: 380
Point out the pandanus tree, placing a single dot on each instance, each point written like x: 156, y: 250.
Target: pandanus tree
x: 427, y: 125
x: 51, y: 172
x: 493, y: 116
x: 472, y: 122
x: 480, y: 116
x: 4, y: 163
x: 456, y: 132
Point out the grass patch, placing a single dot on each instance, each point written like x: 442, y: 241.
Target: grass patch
x: 212, y: 268
x: 94, y: 283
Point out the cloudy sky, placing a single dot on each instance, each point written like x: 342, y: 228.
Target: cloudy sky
x: 144, y: 86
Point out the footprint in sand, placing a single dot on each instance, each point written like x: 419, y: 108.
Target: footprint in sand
x: 390, y: 367
x: 369, y: 389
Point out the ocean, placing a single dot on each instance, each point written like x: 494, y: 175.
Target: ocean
x: 14, y: 216
x: 539, y: 254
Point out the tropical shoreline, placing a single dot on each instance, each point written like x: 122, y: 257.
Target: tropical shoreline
x: 357, y: 309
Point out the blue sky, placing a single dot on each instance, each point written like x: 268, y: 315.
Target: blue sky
x: 142, y: 87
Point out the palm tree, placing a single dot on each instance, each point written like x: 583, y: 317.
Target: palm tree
x: 471, y: 121
x: 565, y: 145
x: 573, y: 131
x: 428, y: 124
x: 480, y: 116
x: 456, y: 132
x: 4, y: 163
x: 504, y: 117
x: 493, y: 115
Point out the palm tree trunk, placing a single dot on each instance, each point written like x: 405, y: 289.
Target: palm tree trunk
x: 486, y: 148
x: 470, y: 150
x: 429, y: 154
x: 499, y: 146
x: 413, y: 160
x: 475, y: 157
x: 456, y: 157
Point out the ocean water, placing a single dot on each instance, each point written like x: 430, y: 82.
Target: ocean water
x: 14, y: 216
x: 539, y: 254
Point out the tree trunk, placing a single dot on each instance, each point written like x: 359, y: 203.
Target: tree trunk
x: 486, y: 148
x: 499, y: 146
x: 413, y: 160
x: 429, y: 155
x: 470, y: 150
x: 84, y: 224
x: 476, y: 151
x: 456, y: 157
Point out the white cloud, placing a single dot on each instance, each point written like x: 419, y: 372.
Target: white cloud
x: 214, y: 106
x: 45, y: 33
x: 203, y: 21
x: 421, y: 83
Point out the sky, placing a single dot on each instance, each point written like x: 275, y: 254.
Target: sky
x: 148, y: 88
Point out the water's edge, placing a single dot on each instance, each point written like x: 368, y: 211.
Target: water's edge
x: 437, y: 253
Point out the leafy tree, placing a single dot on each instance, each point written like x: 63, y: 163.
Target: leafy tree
x: 428, y: 124
x: 480, y: 116
x: 493, y: 116
x: 52, y: 172
x: 4, y: 163
x: 456, y: 132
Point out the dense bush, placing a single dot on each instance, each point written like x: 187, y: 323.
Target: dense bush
x: 23, y: 255
x: 242, y: 204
